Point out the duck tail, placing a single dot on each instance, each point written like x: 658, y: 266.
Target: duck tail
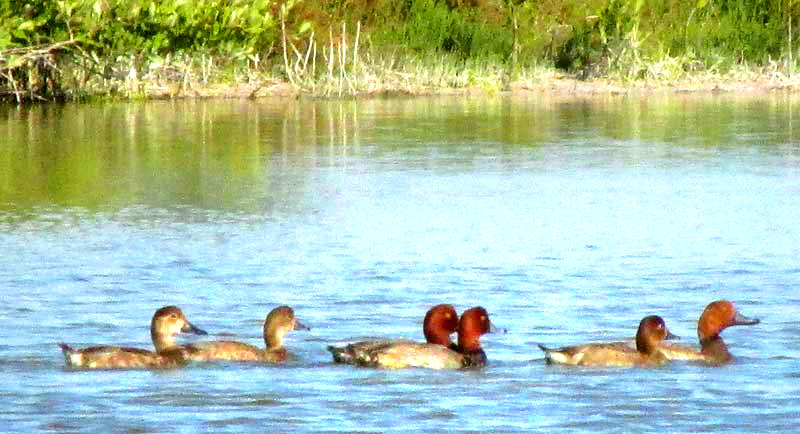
x: 71, y: 356
x: 551, y: 355
x: 341, y: 355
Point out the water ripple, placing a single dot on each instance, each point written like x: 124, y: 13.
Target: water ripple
x: 570, y: 234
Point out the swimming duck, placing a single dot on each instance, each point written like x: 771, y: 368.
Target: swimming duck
x: 473, y: 323
x: 278, y: 323
x: 652, y: 330
x: 440, y: 322
x: 166, y: 324
x: 716, y: 317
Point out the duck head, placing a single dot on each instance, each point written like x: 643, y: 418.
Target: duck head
x: 168, y: 322
x: 440, y: 322
x: 718, y: 316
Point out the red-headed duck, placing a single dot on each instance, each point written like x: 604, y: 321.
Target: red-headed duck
x: 278, y: 323
x: 167, y: 322
x: 716, y: 317
x: 652, y: 330
x: 440, y: 322
x: 473, y: 323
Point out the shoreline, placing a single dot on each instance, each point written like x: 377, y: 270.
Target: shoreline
x: 556, y: 88
x: 157, y: 84
x: 96, y: 51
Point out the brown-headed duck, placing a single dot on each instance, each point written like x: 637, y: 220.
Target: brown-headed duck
x: 716, y: 317
x: 440, y: 322
x: 167, y: 322
x: 652, y: 330
x: 468, y: 353
x: 278, y: 323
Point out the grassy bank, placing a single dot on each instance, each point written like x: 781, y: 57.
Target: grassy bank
x: 79, y: 49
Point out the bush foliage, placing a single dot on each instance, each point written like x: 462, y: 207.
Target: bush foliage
x: 584, y: 37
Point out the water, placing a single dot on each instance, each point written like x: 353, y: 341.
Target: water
x: 568, y: 219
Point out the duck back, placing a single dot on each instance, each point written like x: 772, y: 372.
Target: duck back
x: 363, y: 353
x: 109, y: 357
x: 222, y: 350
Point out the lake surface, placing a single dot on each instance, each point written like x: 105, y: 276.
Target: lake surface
x: 567, y: 219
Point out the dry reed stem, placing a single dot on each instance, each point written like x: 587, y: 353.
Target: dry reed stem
x: 342, y: 53
x: 330, y: 59
x: 285, y: 56
x: 355, y: 55
x: 314, y: 63
x: 308, y: 51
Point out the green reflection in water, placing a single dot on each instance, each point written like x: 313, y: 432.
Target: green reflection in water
x: 252, y: 156
x: 159, y: 154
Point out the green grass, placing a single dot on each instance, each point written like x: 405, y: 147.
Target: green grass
x: 78, y: 49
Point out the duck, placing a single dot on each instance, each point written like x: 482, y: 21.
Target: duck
x: 439, y: 323
x: 278, y: 323
x: 468, y: 353
x: 167, y: 322
x: 716, y: 317
x: 651, y: 332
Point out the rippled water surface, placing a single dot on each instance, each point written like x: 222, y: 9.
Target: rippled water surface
x: 568, y: 219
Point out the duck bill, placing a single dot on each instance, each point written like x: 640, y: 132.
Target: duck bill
x: 740, y: 319
x: 191, y: 328
x: 671, y: 337
x: 494, y: 329
x: 300, y: 326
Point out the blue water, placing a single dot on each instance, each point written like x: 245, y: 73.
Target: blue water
x: 568, y: 220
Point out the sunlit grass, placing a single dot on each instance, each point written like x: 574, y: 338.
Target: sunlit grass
x: 382, y: 72
x: 343, y: 70
x: 75, y: 50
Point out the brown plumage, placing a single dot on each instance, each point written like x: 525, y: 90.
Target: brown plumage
x: 468, y: 353
x: 652, y: 330
x: 439, y: 323
x: 278, y: 323
x: 167, y: 322
x: 716, y: 317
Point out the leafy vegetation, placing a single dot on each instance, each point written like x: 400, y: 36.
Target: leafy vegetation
x: 77, y: 48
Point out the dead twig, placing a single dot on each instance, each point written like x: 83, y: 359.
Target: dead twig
x: 31, y: 60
